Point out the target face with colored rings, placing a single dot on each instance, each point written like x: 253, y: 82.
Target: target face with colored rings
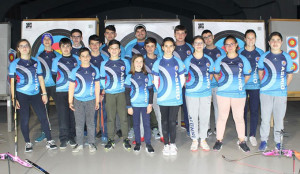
x: 292, y: 42
x: 293, y: 54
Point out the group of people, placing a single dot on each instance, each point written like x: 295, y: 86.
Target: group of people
x: 139, y: 89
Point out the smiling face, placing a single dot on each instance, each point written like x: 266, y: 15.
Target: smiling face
x: 198, y: 44
x: 250, y: 39
x: 138, y: 64
x: 140, y: 34
x: 168, y: 47
x: 47, y: 41
x: 85, y: 57
x: 150, y: 48
x: 275, y: 43
x: 230, y: 45
x: 95, y: 45
x: 180, y: 35
x: 208, y: 39
x: 114, y: 50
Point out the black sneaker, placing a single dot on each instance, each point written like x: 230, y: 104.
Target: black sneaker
x: 119, y: 133
x: 209, y: 132
x: 99, y: 134
x: 28, y: 147
x: 149, y: 148
x: 243, y: 146
x: 51, y: 145
x: 72, y: 142
x: 63, y: 145
x: 137, y: 147
x: 126, y: 144
x: 110, y: 144
x: 218, y: 146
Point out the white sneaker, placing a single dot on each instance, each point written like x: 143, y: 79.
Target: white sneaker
x: 253, y: 141
x: 92, y: 147
x: 77, y: 148
x: 131, y: 133
x: 51, y: 144
x: 28, y: 147
x: 246, y: 138
x: 204, y: 145
x: 173, y: 149
x: 194, y: 146
x: 166, y: 150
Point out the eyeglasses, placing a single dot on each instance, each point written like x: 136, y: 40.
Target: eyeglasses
x: 24, y: 46
x: 229, y: 45
x: 198, y: 43
x: 207, y: 37
x: 76, y: 37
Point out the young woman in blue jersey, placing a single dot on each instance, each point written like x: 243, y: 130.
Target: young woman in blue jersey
x: 139, y: 100
x: 252, y: 53
x: 27, y: 72
x: 199, y: 74
x: 85, y: 88
x: 275, y: 74
x: 169, y: 79
x: 232, y: 72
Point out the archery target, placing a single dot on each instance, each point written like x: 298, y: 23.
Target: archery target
x: 292, y: 50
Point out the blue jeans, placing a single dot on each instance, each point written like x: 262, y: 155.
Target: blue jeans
x: 254, y: 109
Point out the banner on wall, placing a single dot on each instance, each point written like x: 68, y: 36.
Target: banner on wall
x: 292, y: 50
x: 237, y: 28
x: 32, y: 30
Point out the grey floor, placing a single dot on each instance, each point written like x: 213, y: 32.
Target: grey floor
x: 119, y: 160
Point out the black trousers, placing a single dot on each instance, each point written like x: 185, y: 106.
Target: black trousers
x: 168, y: 122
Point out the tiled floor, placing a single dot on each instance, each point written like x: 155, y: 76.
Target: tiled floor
x: 119, y: 160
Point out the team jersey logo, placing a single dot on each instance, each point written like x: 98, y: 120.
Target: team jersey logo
x: 122, y: 68
x: 240, y: 65
x: 257, y: 59
x: 75, y: 64
x: 218, y: 55
x: 93, y: 74
x: 207, y: 64
x: 35, y: 65
x: 176, y: 68
x: 283, y: 63
x: 146, y: 80
x: 188, y: 52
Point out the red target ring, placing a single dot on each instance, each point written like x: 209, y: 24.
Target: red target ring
x: 295, y: 66
x: 293, y: 54
x: 292, y: 42
x: 11, y: 57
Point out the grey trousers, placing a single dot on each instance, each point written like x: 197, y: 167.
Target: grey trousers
x: 215, y: 104
x: 277, y: 106
x: 84, y: 114
x: 199, y: 111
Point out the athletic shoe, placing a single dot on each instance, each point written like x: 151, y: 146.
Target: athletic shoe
x: 28, y: 147
x: 110, y: 144
x: 72, y: 142
x: 263, y: 146
x: 126, y: 144
x: 215, y: 131
x: 194, y: 146
x: 162, y: 139
x: 119, y: 133
x: 40, y: 138
x: 166, y: 150
x: 137, y: 147
x: 209, y: 132
x: 142, y: 140
x: 149, y: 148
x: 173, y: 149
x: 131, y: 133
x: 51, y: 144
x: 103, y: 140
x: 204, y: 145
x: 218, y: 145
x: 243, y: 146
x: 246, y: 138
x: 63, y: 145
x: 253, y: 141
x: 92, y: 147
x: 277, y: 147
x: 77, y: 148
x: 99, y: 134
x: 155, y: 133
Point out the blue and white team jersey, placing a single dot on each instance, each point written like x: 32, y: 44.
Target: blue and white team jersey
x: 169, y: 87
x: 85, y: 79
x: 46, y: 58
x: 96, y: 61
x: 62, y: 67
x: 139, y: 85
x: 27, y: 72
x: 134, y: 47
x: 148, y: 65
x: 198, y: 73
x: 113, y: 74
x: 232, y: 77
x: 275, y: 67
x: 104, y: 51
x: 183, y: 51
x: 253, y: 57
x: 214, y: 54
x: 75, y: 51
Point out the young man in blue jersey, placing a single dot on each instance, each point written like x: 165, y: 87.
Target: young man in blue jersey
x: 214, y: 52
x: 182, y: 51
x: 61, y: 69
x: 46, y: 57
x: 76, y: 37
x: 275, y: 74
x: 85, y: 88
x: 252, y: 53
x: 113, y: 73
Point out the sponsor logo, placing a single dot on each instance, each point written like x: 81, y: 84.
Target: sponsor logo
x: 122, y: 68
x: 257, y: 59
x: 75, y: 64
x: 176, y: 68
x: 35, y: 65
x: 146, y: 80
x: 283, y: 63
x: 93, y: 74
x: 188, y: 52
x: 207, y: 64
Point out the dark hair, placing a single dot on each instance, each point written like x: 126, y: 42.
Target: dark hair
x: 83, y: 49
x: 150, y: 40
x: 198, y: 37
x: 65, y: 41
x: 114, y: 41
x: 94, y: 37
x: 132, y: 70
x: 205, y: 31
x: 180, y: 28
x: 234, y: 39
x: 18, y: 44
x: 275, y: 33
x: 168, y: 39
x: 76, y: 30
x: 249, y: 31
x: 110, y: 27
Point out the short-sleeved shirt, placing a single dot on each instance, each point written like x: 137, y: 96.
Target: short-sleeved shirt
x: 27, y: 72
x: 113, y: 74
x: 75, y: 51
x: 104, y: 51
x: 62, y: 67
x: 183, y: 51
x: 85, y: 79
x: 275, y: 67
x: 139, y: 85
x: 169, y: 87
x: 198, y: 73
x: 46, y: 59
x: 134, y: 47
x: 148, y: 65
x: 232, y: 77
x: 214, y: 54
x: 253, y: 57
